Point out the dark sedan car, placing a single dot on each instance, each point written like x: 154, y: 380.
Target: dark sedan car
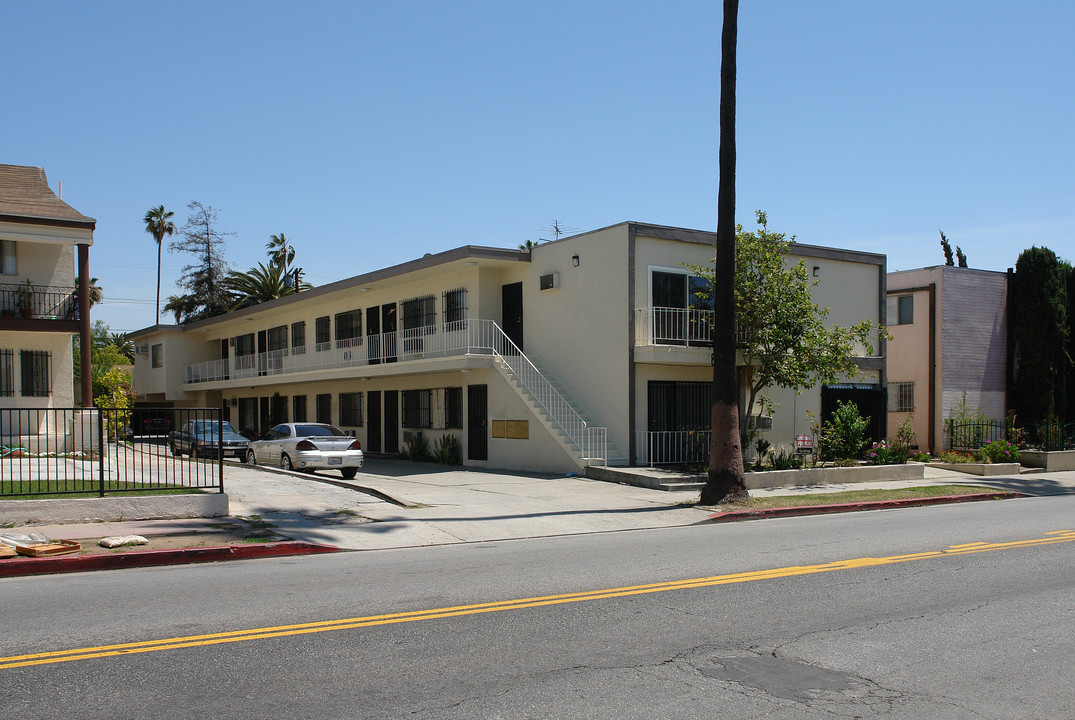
x: 199, y: 438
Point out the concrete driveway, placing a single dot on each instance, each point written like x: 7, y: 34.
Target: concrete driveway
x: 433, y: 505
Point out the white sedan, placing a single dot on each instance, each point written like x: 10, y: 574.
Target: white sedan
x: 307, y: 447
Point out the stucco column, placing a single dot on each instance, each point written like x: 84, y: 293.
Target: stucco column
x: 86, y: 355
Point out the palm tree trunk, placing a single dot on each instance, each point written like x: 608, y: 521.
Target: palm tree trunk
x: 159, y: 280
x: 725, y: 481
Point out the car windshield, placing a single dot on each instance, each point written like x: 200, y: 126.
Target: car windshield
x: 210, y: 426
x: 322, y: 430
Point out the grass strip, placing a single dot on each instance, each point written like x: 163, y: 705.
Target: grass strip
x: 854, y: 496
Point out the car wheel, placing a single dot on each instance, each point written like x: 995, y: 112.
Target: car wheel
x: 348, y: 473
x: 175, y: 449
x: 250, y: 459
x: 285, y: 462
x: 195, y: 452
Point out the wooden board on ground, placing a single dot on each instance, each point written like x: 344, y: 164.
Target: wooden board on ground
x: 56, y: 547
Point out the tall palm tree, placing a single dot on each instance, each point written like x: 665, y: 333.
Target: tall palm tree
x: 95, y: 290
x: 159, y: 224
x: 281, y: 252
x: 725, y: 480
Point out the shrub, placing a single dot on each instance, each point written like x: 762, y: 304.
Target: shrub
x: 881, y: 453
x: 416, y: 448
x: 843, y: 437
x: 447, y: 450
x: 784, y: 460
x: 921, y: 457
x: 951, y: 457
x: 1000, y: 451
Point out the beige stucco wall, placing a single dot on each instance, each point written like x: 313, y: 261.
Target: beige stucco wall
x: 908, y: 354
x: 62, y: 366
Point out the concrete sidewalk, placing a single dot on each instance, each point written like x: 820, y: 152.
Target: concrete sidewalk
x: 397, y: 504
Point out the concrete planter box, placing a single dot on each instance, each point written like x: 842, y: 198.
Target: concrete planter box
x: 111, y: 509
x: 983, y: 469
x: 1051, y: 461
x: 834, y: 475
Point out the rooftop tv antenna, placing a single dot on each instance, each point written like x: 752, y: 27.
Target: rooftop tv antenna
x: 557, y: 230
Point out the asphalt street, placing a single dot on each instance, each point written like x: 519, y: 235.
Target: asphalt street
x: 953, y: 611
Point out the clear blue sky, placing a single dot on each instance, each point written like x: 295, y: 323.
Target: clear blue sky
x: 374, y: 132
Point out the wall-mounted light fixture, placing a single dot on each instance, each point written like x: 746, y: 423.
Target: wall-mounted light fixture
x: 365, y: 289
x: 575, y: 260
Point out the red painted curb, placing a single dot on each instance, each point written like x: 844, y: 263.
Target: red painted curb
x: 16, y: 567
x: 802, y: 510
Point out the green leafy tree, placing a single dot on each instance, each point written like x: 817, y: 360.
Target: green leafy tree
x: 203, y: 279
x: 1041, y: 333
x: 158, y: 224
x: 725, y: 479
x: 180, y: 306
x: 782, y: 332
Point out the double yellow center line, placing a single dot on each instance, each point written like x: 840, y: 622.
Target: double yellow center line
x: 45, y: 658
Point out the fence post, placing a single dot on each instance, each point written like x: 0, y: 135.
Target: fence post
x: 100, y: 449
x: 220, y: 445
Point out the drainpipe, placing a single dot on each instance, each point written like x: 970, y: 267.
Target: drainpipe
x: 85, y: 355
x: 932, y: 367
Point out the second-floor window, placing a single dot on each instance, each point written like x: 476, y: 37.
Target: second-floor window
x: 419, y: 313
x: 298, y: 338
x: 244, y: 345
x: 349, y: 328
x: 7, y: 257
x: 323, y: 333
x: 901, y: 310
x: 277, y: 337
x: 455, y: 306
x: 156, y: 355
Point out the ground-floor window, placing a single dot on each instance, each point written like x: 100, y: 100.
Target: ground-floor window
x: 417, y: 406
x: 324, y: 409
x: 36, y: 373
x: 679, y: 405
x: 298, y: 408
x: 453, y: 407
x: 351, y: 409
x: 7, y: 373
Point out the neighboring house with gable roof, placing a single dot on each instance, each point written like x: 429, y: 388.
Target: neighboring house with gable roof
x: 44, y: 244
x: 588, y: 349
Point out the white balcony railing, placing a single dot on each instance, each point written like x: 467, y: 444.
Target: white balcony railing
x: 673, y: 326
x: 672, y: 447
x: 464, y: 337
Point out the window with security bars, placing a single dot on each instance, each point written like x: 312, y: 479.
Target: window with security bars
x: 298, y: 408
x: 351, y: 409
x: 36, y: 373
x: 679, y: 405
x: 7, y: 373
x: 348, y: 328
x: 419, y: 313
x: 417, y: 406
x: 455, y: 306
x: 323, y: 332
x: 277, y: 338
x: 453, y: 407
x: 298, y: 337
x: 901, y: 397
x: 324, y: 409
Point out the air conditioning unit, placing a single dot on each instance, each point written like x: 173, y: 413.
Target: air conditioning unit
x: 760, y: 422
x: 550, y: 281
x: 347, y: 355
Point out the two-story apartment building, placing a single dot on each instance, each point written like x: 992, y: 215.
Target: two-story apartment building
x: 586, y: 349
x: 40, y: 307
x: 949, y: 346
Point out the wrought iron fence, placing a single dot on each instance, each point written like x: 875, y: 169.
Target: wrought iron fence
x: 64, y: 451
x: 39, y: 301
x: 1049, y: 436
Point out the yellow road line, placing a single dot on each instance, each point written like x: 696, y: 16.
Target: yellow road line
x: 45, y: 658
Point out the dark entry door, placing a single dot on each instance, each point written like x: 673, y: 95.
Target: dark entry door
x: 871, y: 400
x: 391, y: 421
x: 477, y: 422
x: 373, y: 335
x: 511, y: 300
x: 262, y: 349
x: 373, y: 422
x: 388, y: 330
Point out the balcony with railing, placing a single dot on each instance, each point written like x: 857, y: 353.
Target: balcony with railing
x: 24, y: 301
x: 466, y: 337
x: 685, y: 327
